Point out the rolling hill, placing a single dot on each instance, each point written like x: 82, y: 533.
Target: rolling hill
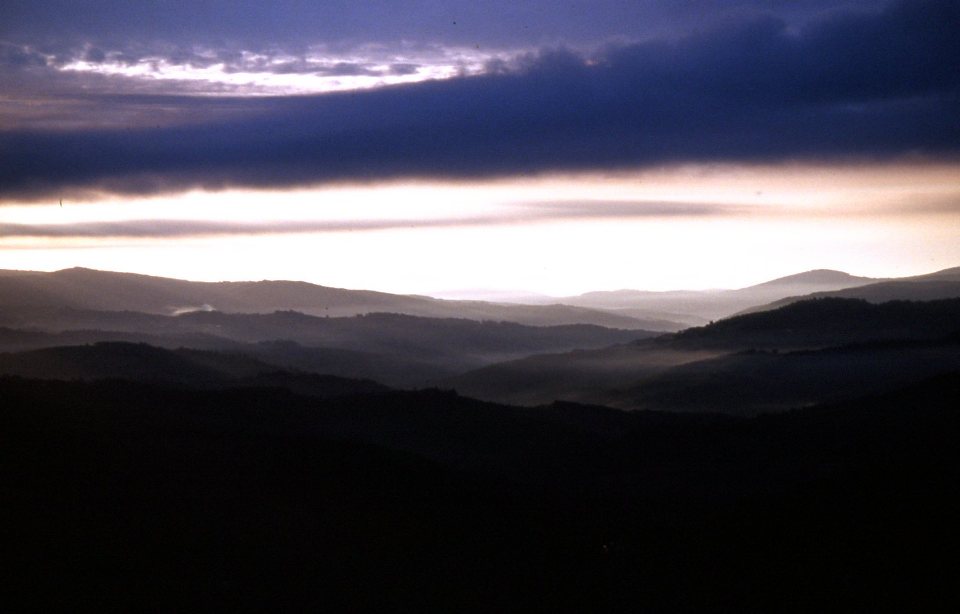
x: 697, y: 307
x: 807, y: 352
x: 139, y: 362
x: 144, y: 472
x: 397, y: 350
x: 933, y: 286
x: 86, y: 289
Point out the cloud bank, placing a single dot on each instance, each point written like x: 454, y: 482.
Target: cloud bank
x: 851, y: 85
x: 518, y: 214
x: 140, y: 28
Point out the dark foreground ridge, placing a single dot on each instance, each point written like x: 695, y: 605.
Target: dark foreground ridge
x: 132, y: 496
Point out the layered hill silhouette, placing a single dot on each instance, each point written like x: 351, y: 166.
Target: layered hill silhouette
x: 940, y: 285
x: 162, y: 452
x: 395, y: 349
x: 697, y: 307
x: 500, y: 360
x: 87, y: 289
x: 807, y: 352
x: 139, y: 362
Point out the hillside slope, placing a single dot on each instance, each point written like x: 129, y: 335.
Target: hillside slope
x: 933, y: 286
x: 807, y: 352
x: 694, y: 307
x: 87, y: 289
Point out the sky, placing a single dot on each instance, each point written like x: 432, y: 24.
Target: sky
x: 464, y: 148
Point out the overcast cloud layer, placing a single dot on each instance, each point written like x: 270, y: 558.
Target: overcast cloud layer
x: 148, y: 25
x: 808, y: 84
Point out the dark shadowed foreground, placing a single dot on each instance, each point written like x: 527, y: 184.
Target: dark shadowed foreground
x: 148, y: 497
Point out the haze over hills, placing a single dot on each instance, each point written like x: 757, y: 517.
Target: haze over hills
x: 932, y: 286
x: 697, y: 307
x: 130, y: 434
x: 88, y: 289
x: 668, y: 311
x: 811, y: 351
x: 395, y: 349
x: 40, y: 310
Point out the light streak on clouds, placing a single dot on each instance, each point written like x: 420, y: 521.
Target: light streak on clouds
x: 318, y: 70
x: 748, y: 92
x: 592, y: 145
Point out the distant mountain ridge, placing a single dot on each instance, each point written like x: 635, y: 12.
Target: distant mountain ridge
x: 929, y: 287
x: 818, y: 277
x: 696, y: 307
x: 789, y: 438
x: 490, y: 358
x: 668, y: 311
x: 81, y: 288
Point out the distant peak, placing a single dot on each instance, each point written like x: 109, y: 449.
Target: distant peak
x: 77, y: 269
x: 815, y: 277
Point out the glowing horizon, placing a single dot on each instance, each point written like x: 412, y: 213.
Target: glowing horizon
x: 687, y: 227
x: 543, y: 148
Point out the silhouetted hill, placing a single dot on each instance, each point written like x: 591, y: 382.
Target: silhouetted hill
x: 718, y: 367
x: 828, y: 322
x: 86, y: 289
x: 933, y: 286
x: 951, y: 274
x: 144, y: 363
x: 816, y: 278
x: 125, y: 361
x: 393, y: 333
x: 693, y: 307
x: 580, y: 375
x: 753, y: 382
x: 430, y: 348
x: 391, y: 370
x: 14, y: 340
x: 892, y: 291
x: 139, y: 496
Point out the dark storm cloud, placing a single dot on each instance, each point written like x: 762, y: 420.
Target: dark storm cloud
x: 256, y: 24
x: 850, y: 85
x: 202, y: 33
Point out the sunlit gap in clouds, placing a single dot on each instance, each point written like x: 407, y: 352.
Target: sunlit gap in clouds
x: 317, y: 70
x: 679, y: 227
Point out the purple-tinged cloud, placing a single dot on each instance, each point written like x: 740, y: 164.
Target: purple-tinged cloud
x: 144, y: 27
x: 851, y: 86
x: 521, y: 213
